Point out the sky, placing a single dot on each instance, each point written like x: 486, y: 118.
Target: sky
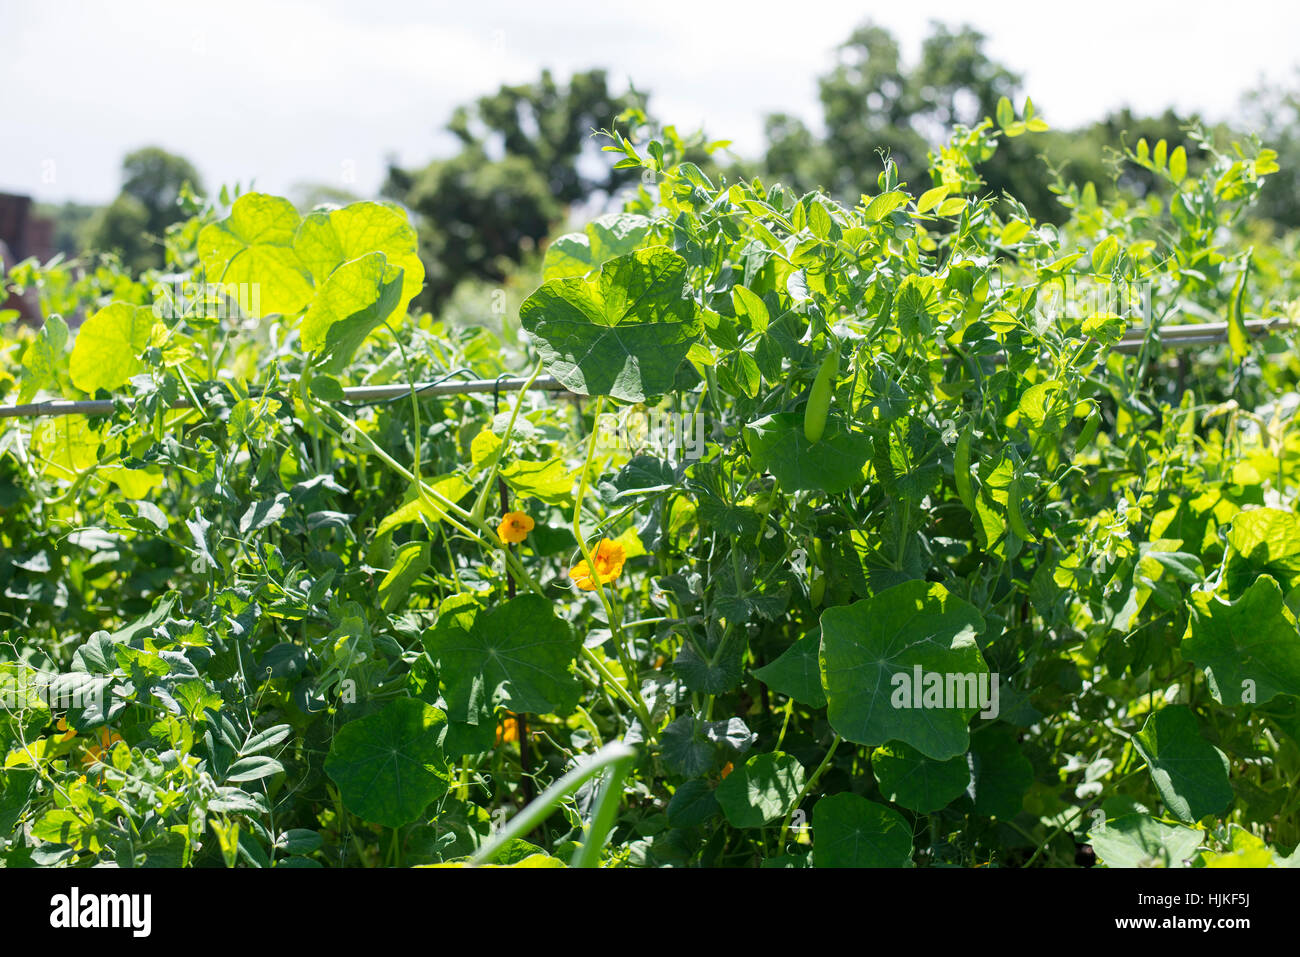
x: 278, y: 94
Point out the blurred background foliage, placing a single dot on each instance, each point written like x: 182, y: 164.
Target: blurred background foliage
x: 528, y: 166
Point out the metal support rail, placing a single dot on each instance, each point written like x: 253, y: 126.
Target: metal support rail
x: 1169, y: 337
x: 359, y: 394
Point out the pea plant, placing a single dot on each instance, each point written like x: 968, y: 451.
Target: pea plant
x: 889, y: 534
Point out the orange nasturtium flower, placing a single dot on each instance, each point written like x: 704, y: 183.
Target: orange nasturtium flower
x: 508, y: 728
x: 609, y: 557
x: 727, y: 768
x: 514, y: 528
x: 96, y: 752
x: 65, y: 733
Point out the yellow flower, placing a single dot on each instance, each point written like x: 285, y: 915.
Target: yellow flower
x: 96, y: 752
x: 609, y: 558
x: 65, y: 733
x: 514, y: 528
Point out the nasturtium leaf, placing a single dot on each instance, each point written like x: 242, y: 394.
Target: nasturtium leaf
x: 797, y: 672
x: 357, y: 298
x: 1137, y: 840
x: 692, y: 747
x: 253, y: 248
x: 327, y: 240
x: 106, y: 353
x: 576, y: 254
x: 1249, y: 648
x: 643, y: 475
x: 832, y: 464
x: 915, y: 304
x: 1001, y: 775
x: 692, y: 804
x: 389, y: 765
x: 763, y: 788
x: 68, y: 445
x: 850, y: 831
x: 1190, y: 773
x: 1266, y: 541
x: 517, y: 655
x: 908, y: 778
x: 871, y: 652
x: 622, y: 333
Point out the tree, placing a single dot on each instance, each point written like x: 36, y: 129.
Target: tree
x: 872, y: 102
x: 134, y: 224
x: 527, y: 154
x: 1274, y: 111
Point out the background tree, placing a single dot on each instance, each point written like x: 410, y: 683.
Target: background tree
x: 134, y: 224
x: 874, y: 102
x: 1274, y: 111
x: 527, y: 155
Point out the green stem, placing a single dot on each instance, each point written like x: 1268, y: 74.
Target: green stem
x: 614, y: 753
x: 807, y: 789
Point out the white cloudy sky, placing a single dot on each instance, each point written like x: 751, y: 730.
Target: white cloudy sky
x: 287, y: 92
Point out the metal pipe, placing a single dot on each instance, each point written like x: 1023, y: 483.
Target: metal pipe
x: 1169, y: 337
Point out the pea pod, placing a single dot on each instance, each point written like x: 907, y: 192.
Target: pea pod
x: 1015, y: 517
x: 961, y: 470
x: 819, y: 397
x: 1089, y: 430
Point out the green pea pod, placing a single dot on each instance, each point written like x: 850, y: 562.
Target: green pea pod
x: 1016, y: 518
x: 819, y: 397
x: 961, y: 470
x: 1089, y: 430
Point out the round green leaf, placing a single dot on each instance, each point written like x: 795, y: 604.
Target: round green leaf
x: 761, y: 789
x: 390, y: 765
x: 622, y: 333
x: 252, y: 248
x: 1249, y: 645
x: 850, y: 831
x: 516, y: 655
x: 1136, y: 840
x: 107, y: 349
x: 871, y: 653
x: 833, y: 463
x: 907, y: 777
x: 1190, y: 773
x: 576, y: 254
x: 327, y: 240
x: 797, y: 672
